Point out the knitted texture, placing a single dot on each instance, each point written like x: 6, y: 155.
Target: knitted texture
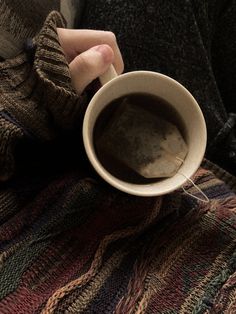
x: 20, y: 20
x: 69, y: 243
x: 73, y: 245
x: 36, y: 98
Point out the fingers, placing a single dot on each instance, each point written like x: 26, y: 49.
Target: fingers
x: 89, y: 65
x: 75, y: 41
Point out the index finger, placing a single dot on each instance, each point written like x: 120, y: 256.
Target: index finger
x: 76, y: 41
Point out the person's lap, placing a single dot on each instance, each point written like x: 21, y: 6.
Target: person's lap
x: 59, y: 233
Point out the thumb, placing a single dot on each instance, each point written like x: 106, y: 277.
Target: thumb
x: 89, y: 65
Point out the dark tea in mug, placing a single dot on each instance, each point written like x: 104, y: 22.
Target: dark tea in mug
x: 157, y: 107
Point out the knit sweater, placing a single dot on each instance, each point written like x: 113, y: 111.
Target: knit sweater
x: 37, y: 98
x: 69, y: 243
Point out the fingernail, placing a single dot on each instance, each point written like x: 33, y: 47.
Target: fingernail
x: 105, y: 51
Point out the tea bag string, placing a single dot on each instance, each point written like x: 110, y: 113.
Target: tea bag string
x: 205, y: 199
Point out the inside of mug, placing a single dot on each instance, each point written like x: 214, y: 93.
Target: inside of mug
x: 194, y: 129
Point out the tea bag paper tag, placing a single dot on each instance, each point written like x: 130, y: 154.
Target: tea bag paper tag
x: 143, y: 141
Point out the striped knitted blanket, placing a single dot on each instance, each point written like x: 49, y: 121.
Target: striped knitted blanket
x: 74, y: 245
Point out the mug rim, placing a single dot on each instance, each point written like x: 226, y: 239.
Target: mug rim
x: 134, y: 189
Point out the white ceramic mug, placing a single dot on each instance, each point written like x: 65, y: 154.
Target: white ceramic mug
x: 174, y: 93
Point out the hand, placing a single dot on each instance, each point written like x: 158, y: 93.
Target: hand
x: 89, y: 54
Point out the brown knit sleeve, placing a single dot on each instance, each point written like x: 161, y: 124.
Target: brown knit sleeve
x: 36, y: 95
x: 53, y: 72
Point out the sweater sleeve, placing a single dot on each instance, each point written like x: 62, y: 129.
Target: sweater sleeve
x: 37, y: 97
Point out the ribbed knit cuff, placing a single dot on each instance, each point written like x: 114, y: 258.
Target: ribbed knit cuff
x: 37, y: 94
x: 54, y: 77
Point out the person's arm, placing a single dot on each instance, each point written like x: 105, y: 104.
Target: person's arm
x: 42, y: 92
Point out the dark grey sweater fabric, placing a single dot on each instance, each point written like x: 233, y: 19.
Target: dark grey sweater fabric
x: 194, y: 42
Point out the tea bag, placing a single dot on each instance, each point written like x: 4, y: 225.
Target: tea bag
x: 143, y: 141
